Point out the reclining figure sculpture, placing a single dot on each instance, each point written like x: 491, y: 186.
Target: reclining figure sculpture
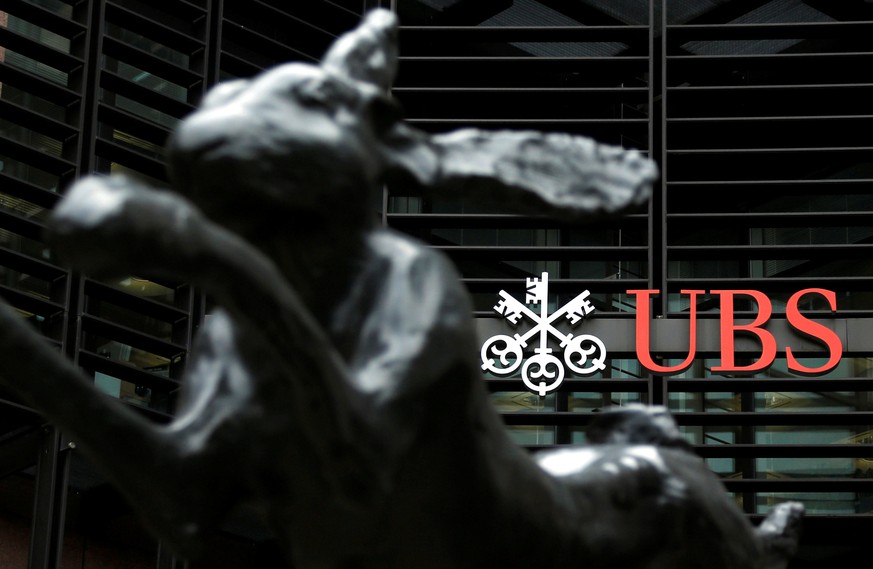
x: 316, y: 390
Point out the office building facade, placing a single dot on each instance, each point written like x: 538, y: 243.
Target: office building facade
x: 757, y: 112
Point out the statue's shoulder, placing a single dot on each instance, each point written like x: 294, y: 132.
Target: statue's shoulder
x: 405, y: 255
x: 418, y: 280
x: 217, y: 332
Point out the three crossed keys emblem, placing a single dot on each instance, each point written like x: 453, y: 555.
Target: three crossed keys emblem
x: 542, y: 372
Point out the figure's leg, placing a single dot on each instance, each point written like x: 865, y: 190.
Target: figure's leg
x: 778, y: 534
x: 637, y: 425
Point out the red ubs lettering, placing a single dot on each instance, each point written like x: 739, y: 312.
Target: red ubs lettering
x: 728, y: 329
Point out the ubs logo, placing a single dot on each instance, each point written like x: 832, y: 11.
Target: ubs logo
x: 585, y: 354
x: 543, y: 371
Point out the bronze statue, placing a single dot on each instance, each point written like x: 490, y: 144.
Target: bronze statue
x: 316, y: 391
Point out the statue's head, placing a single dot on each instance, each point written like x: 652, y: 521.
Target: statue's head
x: 314, y: 142
x: 296, y: 139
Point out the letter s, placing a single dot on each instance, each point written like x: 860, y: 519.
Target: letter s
x: 815, y: 330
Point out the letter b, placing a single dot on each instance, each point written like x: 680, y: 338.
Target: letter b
x: 728, y: 328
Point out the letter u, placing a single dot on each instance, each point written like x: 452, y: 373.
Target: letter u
x: 643, y: 332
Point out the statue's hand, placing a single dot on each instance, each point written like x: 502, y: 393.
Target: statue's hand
x: 116, y: 226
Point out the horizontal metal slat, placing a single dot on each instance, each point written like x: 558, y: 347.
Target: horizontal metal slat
x: 147, y: 62
x: 627, y: 34
x: 152, y: 29
x: 39, y: 52
x: 266, y: 9
x: 132, y: 124
x: 304, y: 29
x: 416, y: 222
x: 152, y: 308
x: 30, y: 266
x: 267, y: 48
x: 556, y: 418
x: 237, y: 66
x: 758, y: 418
x: 125, y: 335
x: 773, y: 187
x: 771, y: 284
x: 26, y: 191
x: 46, y: 19
x: 46, y: 89
x: 508, y: 104
x: 803, y: 119
x: 800, y: 485
x: 153, y: 415
x: 839, y: 131
x: 639, y: 93
x: 543, y: 253
x: 327, y: 15
x: 181, y: 15
x: 526, y: 61
x: 762, y: 384
x: 701, y: 165
x: 736, y: 450
x: 784, y: 150
x: 676, y: 34
x: 563, y: 123
x: 460, y: 220
x: 521, y: 71
x: 125, y: 372
x: 832, y: 530
x: 827, y: 251
x: 773, y: 58
x: 191, y: 10
x: 127, y: 157
x: 570, y: 385
x: 561, y: 285
x: 30, y: 303
x: 768, y: 100
x: 775, y: 219
x: 769, y: 419
x: 766, y: 89
x: 140, y: 94
x: 21, y: 225
x: 782, y: 68
x: 36, y: 122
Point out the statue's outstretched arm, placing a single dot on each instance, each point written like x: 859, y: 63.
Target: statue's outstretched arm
x: 114, y: 225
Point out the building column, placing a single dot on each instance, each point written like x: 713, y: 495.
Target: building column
x: 50, y: 500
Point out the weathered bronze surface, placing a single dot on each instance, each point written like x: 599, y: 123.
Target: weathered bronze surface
x: 319, y: 391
